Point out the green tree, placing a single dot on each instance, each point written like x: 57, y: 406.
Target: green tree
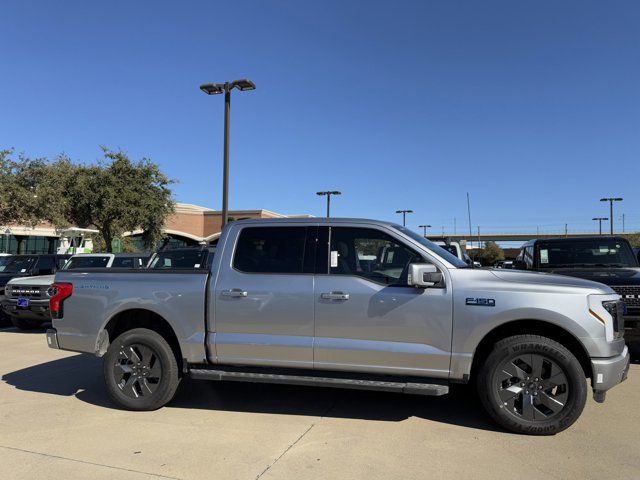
x: 491, y: 253
x: 117, y: 195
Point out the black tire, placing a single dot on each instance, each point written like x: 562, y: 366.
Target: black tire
x: 542, y: 403
x: 140, y: 370
x: 26, y: 324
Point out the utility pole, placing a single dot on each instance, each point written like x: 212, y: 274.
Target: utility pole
x: 404, y: 216
x: 566, y: 229
x: 328, y: 195
x: 215, y: 89
x: 611, y: 200
x: 479, y: 244
x: 623, y: 223
x: 455, y: 229
x: 599, y: 220
x: 424, y: 229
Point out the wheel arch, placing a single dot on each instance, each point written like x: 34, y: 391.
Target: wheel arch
x: 534, y: 327
x: 142, y: 318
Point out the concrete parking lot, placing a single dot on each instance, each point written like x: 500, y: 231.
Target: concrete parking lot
x: 57, y: 422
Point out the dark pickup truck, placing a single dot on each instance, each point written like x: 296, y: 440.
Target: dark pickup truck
x: 604, y: 259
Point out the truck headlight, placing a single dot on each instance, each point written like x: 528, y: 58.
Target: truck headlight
x: 616, y: 309
x: 609, y: 311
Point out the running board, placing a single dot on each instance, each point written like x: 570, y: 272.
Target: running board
x: 415, y: 388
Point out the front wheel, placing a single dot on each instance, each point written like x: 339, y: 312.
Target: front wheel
x: 532, y: 384
x: 140, y: 370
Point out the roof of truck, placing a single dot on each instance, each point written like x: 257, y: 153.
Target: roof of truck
x: 314, y: 220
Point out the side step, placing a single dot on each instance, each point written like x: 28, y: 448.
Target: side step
x: 410, y: 387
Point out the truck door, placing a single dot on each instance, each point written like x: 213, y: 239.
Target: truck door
x: 367, y: 317
x: 264, y: 297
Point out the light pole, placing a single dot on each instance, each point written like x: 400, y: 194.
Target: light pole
x: 215, y: 89
x: 600, y: 219
x: 424, y: 229
x: 328, y: 194
x: 404, y: 216
x: 611, y: 200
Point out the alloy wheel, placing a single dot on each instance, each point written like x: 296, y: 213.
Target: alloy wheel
x: 532, y: 387
x: 137, y: 370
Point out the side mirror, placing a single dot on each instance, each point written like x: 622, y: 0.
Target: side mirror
x: 468, y: 261
x: 519, y: 265
x: 423, y: 275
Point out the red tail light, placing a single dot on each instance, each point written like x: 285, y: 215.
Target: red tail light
x: 58, y: 292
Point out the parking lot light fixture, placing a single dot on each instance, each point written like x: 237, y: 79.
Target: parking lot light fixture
x: 611, y: 200
x: 599, y: 220
x: 404, y: 216
x: 424, y: 229
x: 328, y: 194
x: 215, y: 89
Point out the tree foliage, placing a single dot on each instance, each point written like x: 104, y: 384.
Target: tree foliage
x: 114, y: 195
x: 491, y: 253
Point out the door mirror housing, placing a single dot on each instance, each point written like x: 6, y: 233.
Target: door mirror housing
x: 423, y: 275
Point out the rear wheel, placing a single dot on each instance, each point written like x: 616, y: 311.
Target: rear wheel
x: 140, y: 370
x: 532, y: 384
x: 26, y: 324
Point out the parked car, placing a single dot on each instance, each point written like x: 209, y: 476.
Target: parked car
x: 26, y: 299
x: 604, y: 259
x: 288, y: 301
x: 508, y: 264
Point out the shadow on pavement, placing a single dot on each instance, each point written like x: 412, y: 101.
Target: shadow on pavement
x: 81, y: 376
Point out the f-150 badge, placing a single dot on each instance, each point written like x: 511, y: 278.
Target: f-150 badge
x: 481, y: 302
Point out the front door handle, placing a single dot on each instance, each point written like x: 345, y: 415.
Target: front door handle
x: 235, y: 293
x: 335, y: 296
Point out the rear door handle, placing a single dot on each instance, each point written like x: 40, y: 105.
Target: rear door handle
x: 334, y: 296
x: 235, y: 293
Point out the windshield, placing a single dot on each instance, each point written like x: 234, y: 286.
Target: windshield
x: 168, y: 259
x: 19, y: 264
x: 86, y: 262
x: 3, y: 261
x: 436, y: 249
x: 604, y: 252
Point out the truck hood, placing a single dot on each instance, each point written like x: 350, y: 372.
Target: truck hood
x: 5, y: 277
x: 608, y: 276
x: 39, y: 280
x: 541, y: 278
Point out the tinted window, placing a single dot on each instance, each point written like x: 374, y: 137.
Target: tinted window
x: 86, y: 262
x: 270, y: 250
x: 371, y: 254
x: 20, y: 265
x: 46, y: 265
x: 124, y: 262
x: 600, y: 252
x: 168, y: 259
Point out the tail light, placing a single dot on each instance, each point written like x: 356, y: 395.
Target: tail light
x: 58, y: 293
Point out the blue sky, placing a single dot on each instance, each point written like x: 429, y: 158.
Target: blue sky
x: 532, y: 107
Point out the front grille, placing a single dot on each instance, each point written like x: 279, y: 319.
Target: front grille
x: 630, y: 294
x: 26, y: 292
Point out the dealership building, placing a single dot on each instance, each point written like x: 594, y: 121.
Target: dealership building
x: 189, y: 225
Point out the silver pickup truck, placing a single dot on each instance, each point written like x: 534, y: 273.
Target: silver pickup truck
x: 348, y: 303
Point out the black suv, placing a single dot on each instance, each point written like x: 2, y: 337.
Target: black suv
x: 604, y: 259
x: 27, y: 266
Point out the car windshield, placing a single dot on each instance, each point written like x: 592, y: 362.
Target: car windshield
x: 86, y: 262
x: 19, y: 264
x: 168, y: 259
x: 4, y: 260
x: 436, y: 249
x: 605, y: 252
